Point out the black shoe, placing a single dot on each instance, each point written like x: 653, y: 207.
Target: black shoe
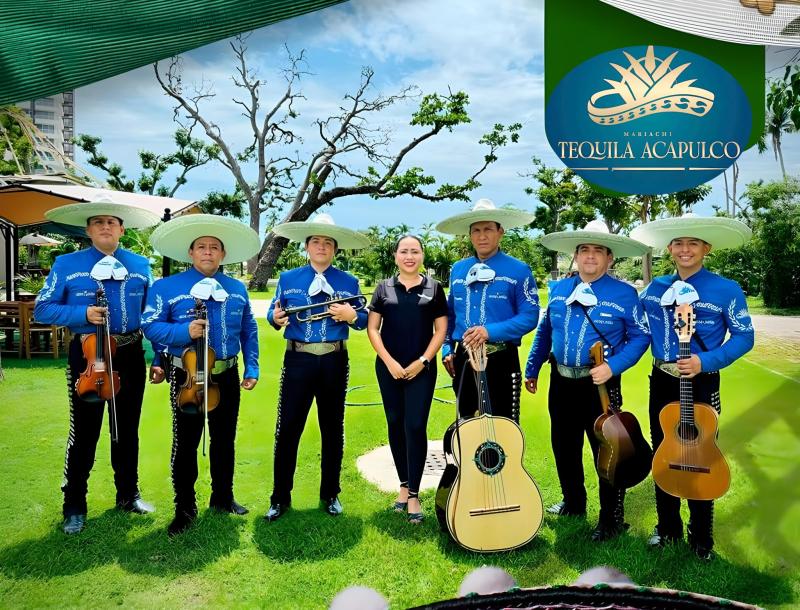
x: 703, y: 552
x: 137, y: 505
x: 561, y: 509
x: 74, y: 524
x: 276, y: 510
x: 232, y: 507
x: 332, y: 506
x: 662, y: 540
x: 183, y: 519
x: 607, y: 531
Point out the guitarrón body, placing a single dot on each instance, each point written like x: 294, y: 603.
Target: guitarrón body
x: 486, y: 499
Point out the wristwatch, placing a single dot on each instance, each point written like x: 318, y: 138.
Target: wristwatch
x: 425, y: 362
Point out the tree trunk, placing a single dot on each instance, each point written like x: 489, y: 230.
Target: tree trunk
x: 270, y: 252
x: 255, y: 224
x: 553, y: 265
x: 647, y: 267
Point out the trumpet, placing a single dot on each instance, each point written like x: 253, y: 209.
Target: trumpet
x: 361, y: 304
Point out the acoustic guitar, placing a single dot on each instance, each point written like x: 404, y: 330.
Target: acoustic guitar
x: 688, y: 463
x: 624, y: 456
x: 492, y: 503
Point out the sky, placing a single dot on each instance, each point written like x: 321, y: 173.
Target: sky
x: 493, y: 51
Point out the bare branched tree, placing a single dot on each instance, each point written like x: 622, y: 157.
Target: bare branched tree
x: 292, y: 189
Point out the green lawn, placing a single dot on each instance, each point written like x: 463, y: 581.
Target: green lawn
x: 305, y: 558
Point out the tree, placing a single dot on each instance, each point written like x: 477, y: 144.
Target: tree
x: 558, y: 192
x: 190, y: 153
x: 782, y: 112
x: 16, y: 150
x: 290, y: 188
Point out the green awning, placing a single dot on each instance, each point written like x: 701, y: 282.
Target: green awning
x: 47, y: 48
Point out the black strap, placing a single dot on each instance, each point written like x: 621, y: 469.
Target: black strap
x: 597, y: 330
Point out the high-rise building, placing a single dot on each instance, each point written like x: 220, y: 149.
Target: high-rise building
x: 54, y: 117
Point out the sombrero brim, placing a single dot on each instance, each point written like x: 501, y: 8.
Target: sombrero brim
x: 76, y: 214
x: 718, y: 231
x: 346, y: 239
x: 507, y: 217
x: 568, y: 241
x: 173, y: 238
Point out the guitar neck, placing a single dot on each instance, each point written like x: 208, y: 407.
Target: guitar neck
x: 686, y: 394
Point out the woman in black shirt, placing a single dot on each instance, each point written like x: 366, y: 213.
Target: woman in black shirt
x: 407, y: 324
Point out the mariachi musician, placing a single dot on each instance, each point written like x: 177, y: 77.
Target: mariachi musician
x: 315, y: 365
x: 69, y: 297
x: 589, y: 307
x: 720, y: 309
x: 227, y: 326
x: 493, y: 300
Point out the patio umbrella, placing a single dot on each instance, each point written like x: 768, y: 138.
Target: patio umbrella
x: 34, y: 239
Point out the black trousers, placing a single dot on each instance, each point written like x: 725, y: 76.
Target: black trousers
x: 86, y: 419
x: 574, y: 405
x: 304, y: 378
x: 407, y: 405
x: 664, y: 389
x: 503, y: 378
x: 187, y: 431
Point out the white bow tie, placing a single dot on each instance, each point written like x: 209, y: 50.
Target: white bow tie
x: 584, y: 294
x: 209, y: 288
x: 479, y: 272
x: 108, y: 267
x: 680, y: 292
x: 320, y: 284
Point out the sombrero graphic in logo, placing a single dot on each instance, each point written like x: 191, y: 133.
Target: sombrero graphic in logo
x: 648, y: 119
x: 649, y: 85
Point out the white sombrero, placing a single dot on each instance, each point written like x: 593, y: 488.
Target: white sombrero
x: 173, y: 238
x: 595, y: 232
x: 484, y: 210
x: 718, y: 231
x: 77, y: 214
x: 322, y: 224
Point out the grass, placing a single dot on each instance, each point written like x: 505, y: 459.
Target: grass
x: 304, y: 559
x: 756, y: 306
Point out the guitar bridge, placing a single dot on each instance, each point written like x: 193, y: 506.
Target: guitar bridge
x: 689, y: 468
x: 477, y: 512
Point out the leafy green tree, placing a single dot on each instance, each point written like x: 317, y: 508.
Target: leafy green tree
x: 782, y: 112
x: 16, y: 149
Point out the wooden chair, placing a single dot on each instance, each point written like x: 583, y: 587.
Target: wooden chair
x: 13, y: 327
x: 43, y: 338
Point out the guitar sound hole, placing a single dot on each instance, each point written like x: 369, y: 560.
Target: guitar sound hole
x: 687, y: 433
x: 490, y: 458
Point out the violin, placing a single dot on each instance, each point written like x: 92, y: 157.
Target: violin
x: 198, y: 394
x: 98, y: 382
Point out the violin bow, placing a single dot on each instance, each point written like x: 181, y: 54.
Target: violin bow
x: 114, y: 431
x: 205, y: 384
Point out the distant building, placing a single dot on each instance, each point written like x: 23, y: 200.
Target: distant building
x: 54, y: 117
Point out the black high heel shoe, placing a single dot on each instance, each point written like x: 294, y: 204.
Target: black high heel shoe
x: 415, y: 518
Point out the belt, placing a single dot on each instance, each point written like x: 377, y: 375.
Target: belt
x: 492, y: 348
x: 317, y: 349
x: 122, y: 340
x: 220, y: 366
x: 670, y: 368
x: 574, y: 372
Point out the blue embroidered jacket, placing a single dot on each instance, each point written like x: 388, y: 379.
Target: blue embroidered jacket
x: 567, y: 333
x: 292, y: 291
x: 721, y: 309
x: 231, y: 325
x: 507, y: 306
x: 69, y: 290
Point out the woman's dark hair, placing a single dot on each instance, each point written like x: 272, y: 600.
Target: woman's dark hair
x: 407, y: 235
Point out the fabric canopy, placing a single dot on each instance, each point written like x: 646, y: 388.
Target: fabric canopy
x: 47, y: 48
x: 24, y: 204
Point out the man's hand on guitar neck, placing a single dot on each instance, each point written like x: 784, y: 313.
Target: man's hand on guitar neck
x: 475, y: 336
x: 691, y: 366
x: 601, y: 374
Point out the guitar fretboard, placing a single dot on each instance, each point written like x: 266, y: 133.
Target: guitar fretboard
x: 686, y: 395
